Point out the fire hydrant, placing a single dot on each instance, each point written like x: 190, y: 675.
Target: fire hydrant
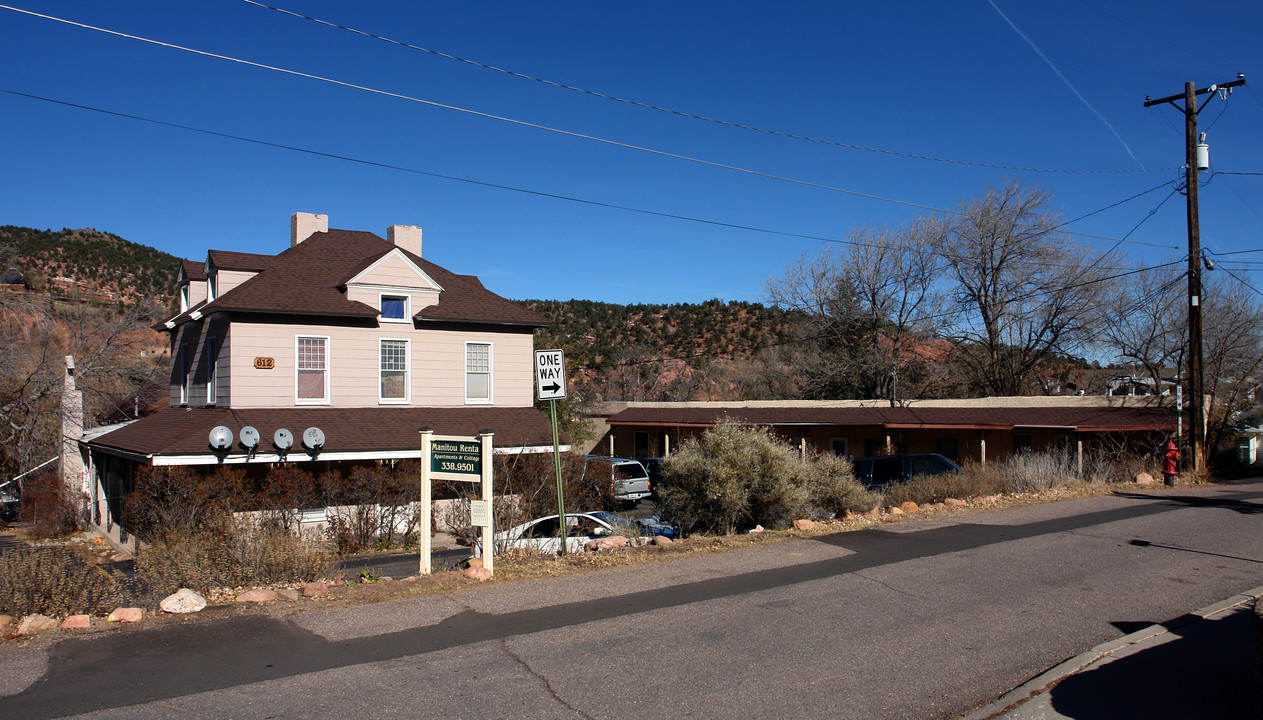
x: 1170, y: 466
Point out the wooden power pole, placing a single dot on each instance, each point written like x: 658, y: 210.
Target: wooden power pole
x: 1197, y: 398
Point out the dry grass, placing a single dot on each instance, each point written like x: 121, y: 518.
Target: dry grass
x: 230, y: 557
x: 54, y: 581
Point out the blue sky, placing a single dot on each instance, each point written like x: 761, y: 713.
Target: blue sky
x: 946, y: 80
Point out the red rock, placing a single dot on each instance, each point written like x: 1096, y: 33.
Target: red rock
x: 288, y: 594
x: 475, y: 562
x: 76, y: 622
x: 478, y: 573
x: 257, y: 596
x: 954, y: 502
x: 127, y: 615
x: 896, y: 511
x: 315, y: 589
x: 661, y: 540
x: 32, y: 624
x: 908, y: 507
x: 803, y: 524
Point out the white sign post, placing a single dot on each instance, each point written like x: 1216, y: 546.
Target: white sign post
x: 465, y: 459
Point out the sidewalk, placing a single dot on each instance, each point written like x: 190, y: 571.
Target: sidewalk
x: 1200, y: 665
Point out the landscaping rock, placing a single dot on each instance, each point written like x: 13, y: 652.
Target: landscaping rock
x: 896, y: 511
x: 478, y: 573
x: 6, y: 625
x: 1144, y: 478
x: 120, y: 557
x: 288, y: 594
x: 908, y: 506
x: 954, y: 502
x: 804, y: 524
x: 475, y: 562
x: 606, y: 544
x: 32, y: 624
x: 76, y: 622
x: 846, y: 514
x: 757, y: 529
x: 183, y: 600
x: 127, y: 615
x: 315, y: 589
x: 660, y: 540
x: 256, y: 596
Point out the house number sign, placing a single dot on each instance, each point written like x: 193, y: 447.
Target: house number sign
x: 264, y: 363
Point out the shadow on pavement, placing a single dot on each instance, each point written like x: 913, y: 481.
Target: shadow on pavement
x: 1205, y: 671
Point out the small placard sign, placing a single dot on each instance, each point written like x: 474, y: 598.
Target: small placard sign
x: 264, y: 363
x: 480, y: 513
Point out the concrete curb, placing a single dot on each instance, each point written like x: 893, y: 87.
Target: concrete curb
x: 1047, y: 679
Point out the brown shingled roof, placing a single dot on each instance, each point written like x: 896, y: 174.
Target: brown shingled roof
x: 307, y: 279
x: 193, y: 269
x: 1089, y: 419
x: 185, y: 431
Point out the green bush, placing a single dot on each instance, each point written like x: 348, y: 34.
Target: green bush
x: 736, y: 476
x: 54, y: 582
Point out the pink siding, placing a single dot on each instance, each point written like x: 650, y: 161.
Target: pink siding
x: 229, y: 279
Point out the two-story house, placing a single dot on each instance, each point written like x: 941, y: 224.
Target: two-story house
x: 355, y: 335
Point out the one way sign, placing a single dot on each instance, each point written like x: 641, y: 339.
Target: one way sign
x: 550, y: 374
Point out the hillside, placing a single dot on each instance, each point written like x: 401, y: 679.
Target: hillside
x: 682, y: 351
x: 90, y: 263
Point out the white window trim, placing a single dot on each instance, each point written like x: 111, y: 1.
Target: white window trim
x: 184, y: 297
x: 327, y: 400
x: 407, y: 307
x: 212, y: 366
x: 491, y: 373
x: 407, y: 373
x: 212, y: 285
x: 184, y: 374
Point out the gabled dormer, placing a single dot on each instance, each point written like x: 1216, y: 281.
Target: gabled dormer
x: 393, y: 282
x: 193, y: 287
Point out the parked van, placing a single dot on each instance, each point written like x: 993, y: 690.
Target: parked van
x: 880, y: 470
x: 629, y: 481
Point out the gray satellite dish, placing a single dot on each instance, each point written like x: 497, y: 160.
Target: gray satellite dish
x: 249, y: 437
x: 314, y: 438
x: 283, y: 439
x: 221, y: 438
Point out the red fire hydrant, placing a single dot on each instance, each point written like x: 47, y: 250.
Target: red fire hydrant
x: 1170, y: 466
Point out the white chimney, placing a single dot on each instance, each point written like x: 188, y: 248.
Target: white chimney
x: 304, y: 225
x: 407, y: 237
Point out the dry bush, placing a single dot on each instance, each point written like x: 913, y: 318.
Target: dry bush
x: 47, y: 505
x: 54, y: 582
x: 180, y: 500
x: 372, y: 505
x: 230, y: 556
x: 974, y: 479
x: 736, y: 476
x: 1037, y: 471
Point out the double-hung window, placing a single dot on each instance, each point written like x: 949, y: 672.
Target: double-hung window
x: 212, y: 363
x: 393, y: 364
x: 477, y: 372
x: 312, y: 385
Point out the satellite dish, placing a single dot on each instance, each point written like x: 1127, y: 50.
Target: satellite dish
x: 249, y: 437
x: 283, y: 439
x: 314, y: 438
x: 221, y: 438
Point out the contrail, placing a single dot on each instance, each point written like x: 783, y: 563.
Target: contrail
x: 1064, y: 80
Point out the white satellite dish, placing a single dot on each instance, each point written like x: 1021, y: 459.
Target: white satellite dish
x: 249, y: 437
x: 283, y: 439
x: 314, y: 438
x: 221, y: 438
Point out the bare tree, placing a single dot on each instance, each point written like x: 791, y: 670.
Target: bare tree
x: 864, y: 310
x: 1020, y: 292
x: 1147, y: 324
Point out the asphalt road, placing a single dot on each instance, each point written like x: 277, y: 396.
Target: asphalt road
x: 914, y: 620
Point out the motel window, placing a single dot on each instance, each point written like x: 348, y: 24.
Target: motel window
x: 394, y: 371
x: 313, y: 370
x: 477, y: 372
x: 394, y: 308
x: 1021, y: 444
x: 839, y: 446
x: 948, y: 448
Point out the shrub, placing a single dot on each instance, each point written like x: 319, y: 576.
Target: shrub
x: 47, y: 505
x: 736, y: 476
x: 973, y: 479
x: 177, y: 499
x: 53, y: 581
x: 231, y: 555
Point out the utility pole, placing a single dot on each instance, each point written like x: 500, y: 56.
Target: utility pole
x: 1197, y: 411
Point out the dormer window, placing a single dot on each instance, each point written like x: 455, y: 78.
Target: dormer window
x: 212, y: 291
x: 394, y: 308
x: 184, y: 297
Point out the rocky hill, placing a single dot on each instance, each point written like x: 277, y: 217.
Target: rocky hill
x: 88, y: 263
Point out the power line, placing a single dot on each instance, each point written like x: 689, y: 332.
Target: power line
x: 679, y: 113
x: 523, y: 123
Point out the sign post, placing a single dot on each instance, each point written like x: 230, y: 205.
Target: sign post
x: 464, y: 459
x: 550, y: 385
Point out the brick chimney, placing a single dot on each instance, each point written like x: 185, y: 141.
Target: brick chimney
x: 407, y: 237
x: 304, y: 225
